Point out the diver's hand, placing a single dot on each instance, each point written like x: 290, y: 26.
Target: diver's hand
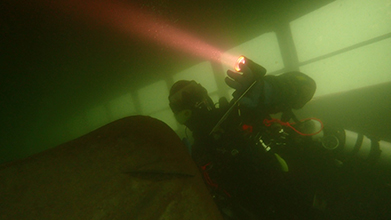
x: 251, y: 72
x: 240, y: 82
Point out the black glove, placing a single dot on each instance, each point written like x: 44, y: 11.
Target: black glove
x: 240, y: 81
x: 251, y: 72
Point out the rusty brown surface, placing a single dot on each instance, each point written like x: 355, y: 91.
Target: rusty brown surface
x: 133, y: 168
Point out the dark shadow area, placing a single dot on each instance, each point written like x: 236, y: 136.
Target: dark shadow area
x: 133, y: 168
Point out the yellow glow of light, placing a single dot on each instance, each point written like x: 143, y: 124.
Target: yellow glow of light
x: 240, y: 60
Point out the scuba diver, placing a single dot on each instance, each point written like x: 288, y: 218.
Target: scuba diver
x: 243, y: 174
x: 259, y: 167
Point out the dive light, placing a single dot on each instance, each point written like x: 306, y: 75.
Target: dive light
x: 258, y: 70
x: 240, y: 60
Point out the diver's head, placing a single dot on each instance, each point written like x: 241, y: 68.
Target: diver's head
x: 188, y: 98
x: 292, y: 90
x: 302, y: 88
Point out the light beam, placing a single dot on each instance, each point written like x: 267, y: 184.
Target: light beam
x: 132, y: 21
